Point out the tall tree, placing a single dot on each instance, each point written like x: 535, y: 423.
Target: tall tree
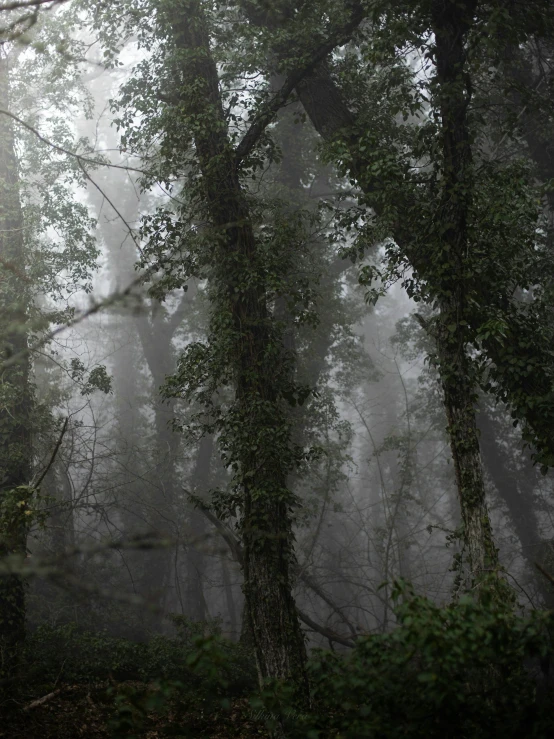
x: 434, y: 215
x: 47, y: 253
x: 259, y: 447
x: 451, y: 24
x: 17, y: 394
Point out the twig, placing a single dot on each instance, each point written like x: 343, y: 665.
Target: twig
x: 541, y: 569
x: 79, y: 157
x: 44, y: 699
x: 96, y: 307
x: 22, y: 4
x: 111, y: 204
x: 37, y: 484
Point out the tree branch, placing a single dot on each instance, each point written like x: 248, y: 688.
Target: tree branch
x: 79, y: 157
x: 22, y: 4
x: 266, y: 115
x: 307, y: 580
x: 327, y: 633
x: 225, y: 531
x: 96, y: 308
x: 37, y: 484
x: 541, y: 569
x: 44, y: 699
x: 111, y: 204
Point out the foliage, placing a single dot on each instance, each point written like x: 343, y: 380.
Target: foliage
x: 21, y: 504
x: 445, y: 671
x: 448, y: 670
x: 470, y: 669
x: 197, y: 657
x: 506, y: 267
x: 195, y: 671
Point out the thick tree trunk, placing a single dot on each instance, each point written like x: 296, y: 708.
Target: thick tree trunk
x: 459, y: 391
x: 515, y: 488
x: 16, y: 395
x: 451, y: 23
x: 239, y: 295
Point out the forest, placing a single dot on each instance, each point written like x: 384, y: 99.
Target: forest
x: 277, y: 369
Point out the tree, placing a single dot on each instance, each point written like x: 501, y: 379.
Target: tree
x: 436, y: 244
x: 425, y: 190
x: 245, y: 347
x: 259, y: 447
x: 38, y: 273
x: 17, y: 393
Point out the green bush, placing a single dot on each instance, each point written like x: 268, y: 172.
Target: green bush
x: 198, y: 658
x: 456, y: 671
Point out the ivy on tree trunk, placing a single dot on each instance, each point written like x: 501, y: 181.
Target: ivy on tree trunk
x: 255, y: 432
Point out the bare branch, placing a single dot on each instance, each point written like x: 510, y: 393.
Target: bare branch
x: 541, y: 569
x: 95, y: 308
x: 37, y: 484
x: 22, y: 4
x: 236, y: 551
x: 111, y: 204
x: 44, y: 699
x: 79, y: 157
x: 313, y: 585
x: 327, y: 633
x: 225, y: 531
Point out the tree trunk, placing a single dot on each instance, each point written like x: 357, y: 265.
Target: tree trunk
x: 229, y: 600
x: 515, y: 487
x: 459, y: 394
x: 256, y: 430
x: 150, y: 506
x: 451, y: 23
x: 16, y: 394
x: 156, y: 336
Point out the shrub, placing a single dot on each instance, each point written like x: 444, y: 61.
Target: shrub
x: 198, y: 658
x: 456, y: 671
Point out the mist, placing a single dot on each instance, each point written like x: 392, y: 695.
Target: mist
x: 276, y: 286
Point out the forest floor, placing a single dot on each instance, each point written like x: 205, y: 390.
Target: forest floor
x: 87, y: 711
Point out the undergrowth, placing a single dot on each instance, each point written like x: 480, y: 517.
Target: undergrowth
x: 466, y: 670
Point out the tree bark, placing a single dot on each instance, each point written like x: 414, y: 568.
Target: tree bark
x: 196, y: 603
x: 240, y: 308
x: 515, y: 488
x: 230, y: 600
x: 451, y: 24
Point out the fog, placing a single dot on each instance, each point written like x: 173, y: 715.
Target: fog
x: 276, y: 356
x: 381, y: 502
